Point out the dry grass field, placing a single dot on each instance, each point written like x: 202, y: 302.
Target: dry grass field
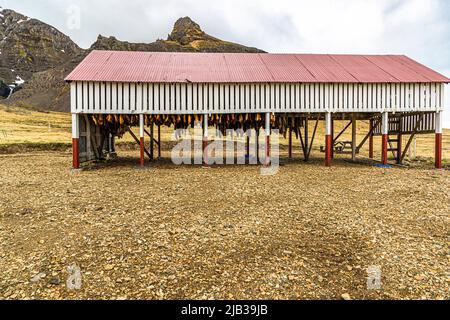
x: 226, y: 232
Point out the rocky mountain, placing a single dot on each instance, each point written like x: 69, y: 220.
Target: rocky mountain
x: 186, y: 36
x: 28, y: 46
x: 42, y: 56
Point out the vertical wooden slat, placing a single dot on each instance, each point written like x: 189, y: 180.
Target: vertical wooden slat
x: 138, y: 98
x: 232, y: 97
x: 114, y: 105
x: 335, y: 97
x: 126, y: 97
x: 350, y: 99
x: 90, y: 96
x: 433, y: 96
x: 307, y: 97
x: 189, y: 97
x: 426, y: 94
x: 132, y: 97
x: 195, y: 96
x: 203, y: 99
x: 345, y: 97
x: 85, y: 96
x: 79, y: 95
x: 96, y: 96
x: 226, y: 98
x: 120, y: 96
x: 216, y: 97
x: 73, y: 97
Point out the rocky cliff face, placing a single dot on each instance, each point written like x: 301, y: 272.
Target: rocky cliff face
x: 43, y: 56
x: 29, y: 45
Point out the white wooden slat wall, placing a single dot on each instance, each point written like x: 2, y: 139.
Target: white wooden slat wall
x: 189, y: 98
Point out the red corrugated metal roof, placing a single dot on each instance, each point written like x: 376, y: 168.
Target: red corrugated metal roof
x: 127, y: 66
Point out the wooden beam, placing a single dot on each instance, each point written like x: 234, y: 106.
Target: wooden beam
x: 353, y: 136
x: 313, y: 136
x: 154, y: 139
x: 416, y: 128
x: 138, y: 141
x: 342, y: 131
x: 151, y: 141
x: 369, y: 135
x: 290, y: 143
x: 159, y: 141
x: 306, y: 139
x: 302, y: 142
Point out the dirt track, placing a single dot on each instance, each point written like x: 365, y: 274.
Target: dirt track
x: 172, y: 232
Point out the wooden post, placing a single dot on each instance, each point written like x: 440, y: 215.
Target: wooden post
x: 371, y: 140
x: 152, y: 142
x: 384, y: 137
x: 332, y: 137
x: 306, y: 139
x: 399, y: 141
x: 159, y: 141
x: 267, y: 131
x: 290, y: 143
x: 205, y: 140
x: 399, y: 148
x: 248, y: 145
x: 438, y: 141
x: 75, y: 141
x: 141, y: 139
x: 257, y: 145
x: 328, y: 139
x: 353, y: 136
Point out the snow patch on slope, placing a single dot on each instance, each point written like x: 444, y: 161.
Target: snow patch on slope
x: 19, y: 81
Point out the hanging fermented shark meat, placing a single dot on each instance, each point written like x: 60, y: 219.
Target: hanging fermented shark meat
x: 119, y: 124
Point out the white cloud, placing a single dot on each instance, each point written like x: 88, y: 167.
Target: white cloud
x: 417, y: 28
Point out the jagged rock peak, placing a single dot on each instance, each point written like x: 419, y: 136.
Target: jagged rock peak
x: 186, y: 31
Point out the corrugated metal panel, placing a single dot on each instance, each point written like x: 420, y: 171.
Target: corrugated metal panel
x: 286, y: 68
x: 424, y: 71
x: 324, y: 68
x: 363, y: 70
x: 164, y: 67
x: 399, y: 71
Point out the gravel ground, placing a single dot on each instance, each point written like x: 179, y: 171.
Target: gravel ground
x: 169, y: 232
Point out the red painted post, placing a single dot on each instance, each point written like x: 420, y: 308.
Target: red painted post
x: 332, y: 138
x: 75, y: 153
x: 142, y: 159
x: 328, y: 143
x: 75, y: 141
x: 371, y: 140
x: 438, y: 151
x: 438, y: 141
x: 384, y: 153
x: 328, y: 139
x: 384, y: 138
x: 141, y: 140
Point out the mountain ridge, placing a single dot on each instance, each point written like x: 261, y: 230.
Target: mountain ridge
x: 43, y: 56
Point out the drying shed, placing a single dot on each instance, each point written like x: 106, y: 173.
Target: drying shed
x: 111, y: 91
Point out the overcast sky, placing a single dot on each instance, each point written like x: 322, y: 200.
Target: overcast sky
x: 417, y: 28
